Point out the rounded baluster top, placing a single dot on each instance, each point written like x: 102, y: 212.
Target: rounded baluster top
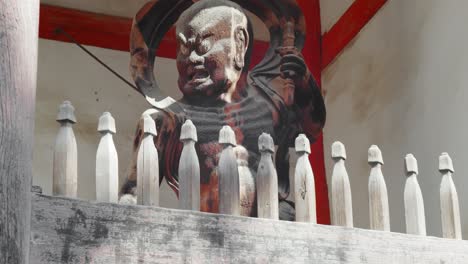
x: 302, y: 144
x: 374, y: 155
x: 242, y: 155
x: 411, y: 164
x: 149, y: 126
x: 66, y: 112
x: 338, y: 150
x: 188, y: 131
x: 445, y: 162
x: 106, y: 123
x: 227, y: 136
x: 265, y: 143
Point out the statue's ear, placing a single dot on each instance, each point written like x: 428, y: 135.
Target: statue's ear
x: 241, y: 37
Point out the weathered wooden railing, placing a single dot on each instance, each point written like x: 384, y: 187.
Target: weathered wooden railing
x: 218, y: 232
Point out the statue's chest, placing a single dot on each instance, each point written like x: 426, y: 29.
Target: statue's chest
x: 249, y: 119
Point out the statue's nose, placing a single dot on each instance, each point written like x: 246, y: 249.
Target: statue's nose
x: 195, y: 58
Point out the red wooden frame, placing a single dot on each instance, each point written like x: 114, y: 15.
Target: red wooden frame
x: 87, y: 28
x: 312, y: 53
x: 113, y: 32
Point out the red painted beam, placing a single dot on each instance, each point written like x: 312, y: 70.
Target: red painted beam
x: 87, y: 28
x: 104, y: 31
x: 347, y: 27
x: 93, y: 29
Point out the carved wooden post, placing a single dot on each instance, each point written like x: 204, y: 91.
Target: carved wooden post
x: 267, y: 180
x: 414, y: 203
x: 229, y: 198
x: 246, y: 181
x: 189, y: 169
x: 107, y: 162
x: 304, y: 183
x: 342, y: 204
x: 65, y: 172
x: 148, y: 166
x: 378, y: 198
x: 449, y: 207
x: 18, y: 69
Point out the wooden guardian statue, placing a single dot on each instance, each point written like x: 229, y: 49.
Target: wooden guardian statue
x: 214, y: 44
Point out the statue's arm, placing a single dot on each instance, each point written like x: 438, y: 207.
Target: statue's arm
x: 307, y: 100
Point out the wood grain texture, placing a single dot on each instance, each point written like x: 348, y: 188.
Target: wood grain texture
x: 342, y: 204
x: 65, y: 166
x: 414, y: 203
x: 304, y: 184
x: 229, y: 187
x: 148, y: 166
x: 247, y: 184
x: 378, y: 197
x: 74, y: 231
x: 267, y: 180
x: 107, y: 162
x: 189, y: 169
x: 18, y: 72
x: 449, y: 206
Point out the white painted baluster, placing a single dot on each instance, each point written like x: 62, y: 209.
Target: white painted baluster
x: 267, y: 180
x: 148, y: 166
x: 342, y: 205
x: 378, y: 197
x: 107, y: 162
x: 229, y: 196
x: 304, y: 183
x: 449, y: 207
x: 65, y: 171
x: 414, y: 203
x: 246, y: 181
x: 189, y: 169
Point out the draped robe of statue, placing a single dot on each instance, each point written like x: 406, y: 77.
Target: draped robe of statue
x: 278, y: 96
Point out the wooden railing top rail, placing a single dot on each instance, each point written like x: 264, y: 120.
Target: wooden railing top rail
x: 68, y: 230
x: 70, y: 220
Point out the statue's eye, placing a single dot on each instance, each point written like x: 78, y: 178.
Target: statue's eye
x: 204, y: 46
x: 184, y: 49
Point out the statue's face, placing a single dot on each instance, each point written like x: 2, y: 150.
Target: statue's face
x: 205, y: 55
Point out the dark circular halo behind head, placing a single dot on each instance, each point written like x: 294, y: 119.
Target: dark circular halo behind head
x: 156, y: 18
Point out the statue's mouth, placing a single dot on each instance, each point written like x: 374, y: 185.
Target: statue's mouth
x: 198, y: 75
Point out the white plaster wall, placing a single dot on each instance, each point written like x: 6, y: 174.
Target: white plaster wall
x: 331, y: 11
x: 67, y: 73
x: 403, y: 84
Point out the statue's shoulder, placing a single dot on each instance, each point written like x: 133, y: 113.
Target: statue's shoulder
x: 167, y: 119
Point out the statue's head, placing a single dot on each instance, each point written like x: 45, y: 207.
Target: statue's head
x: 212, y: 43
